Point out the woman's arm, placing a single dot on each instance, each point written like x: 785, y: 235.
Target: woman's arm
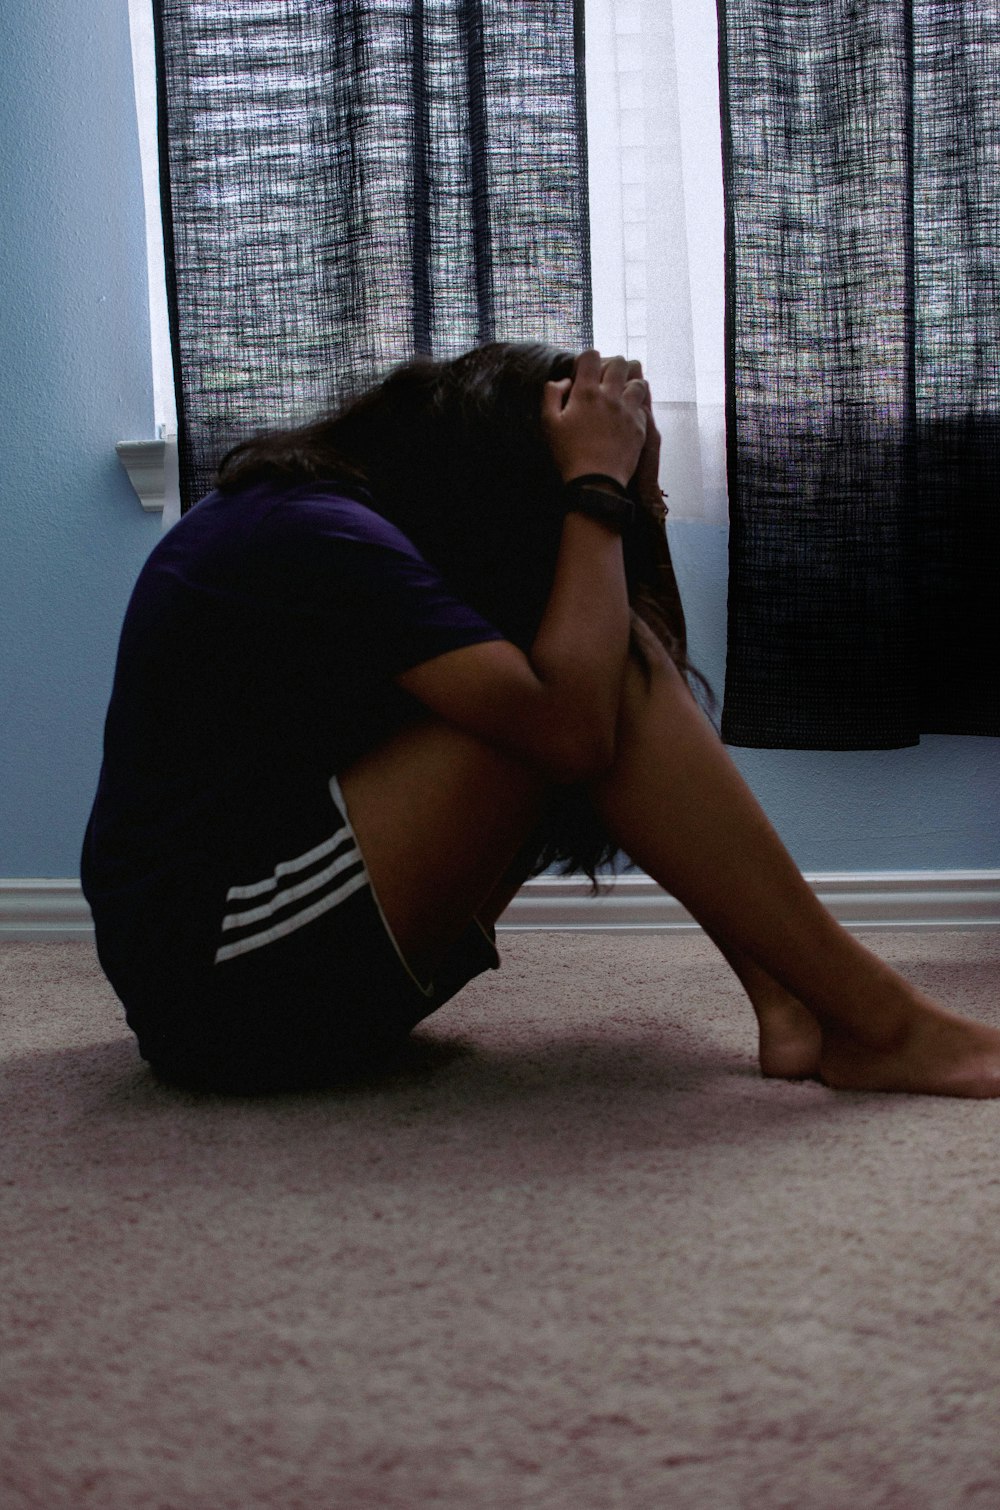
x: 556, y: 707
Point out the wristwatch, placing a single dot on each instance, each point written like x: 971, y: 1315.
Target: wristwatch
x: 592, y: 495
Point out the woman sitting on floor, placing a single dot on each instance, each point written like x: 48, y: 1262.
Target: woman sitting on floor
x: 400, y: 660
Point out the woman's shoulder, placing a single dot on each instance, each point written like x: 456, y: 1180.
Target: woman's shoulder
x: 329, y: 512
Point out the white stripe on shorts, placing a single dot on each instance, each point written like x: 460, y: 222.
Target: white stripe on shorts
x: 288, y: 867
x: 285, y: 890
x: 240, y: 919
x: 290, y: 924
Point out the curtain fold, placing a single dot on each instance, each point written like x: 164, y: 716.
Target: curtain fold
x: 348, y: 183
x: 862, y: 182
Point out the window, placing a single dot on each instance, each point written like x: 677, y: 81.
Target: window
x: 656, y: 225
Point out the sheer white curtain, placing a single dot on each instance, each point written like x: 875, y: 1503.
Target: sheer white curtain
x: 657, y: 225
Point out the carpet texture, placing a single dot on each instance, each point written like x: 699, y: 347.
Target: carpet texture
x: 577, y: 1254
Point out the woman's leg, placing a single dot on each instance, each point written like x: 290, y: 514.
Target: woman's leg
x: 678, y: 807
x: 788, y: 1035
x: 443, y: 822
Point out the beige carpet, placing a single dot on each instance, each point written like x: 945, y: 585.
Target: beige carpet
x: 578, y: 1256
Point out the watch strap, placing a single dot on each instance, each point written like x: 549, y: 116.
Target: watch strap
x: 592, y: 496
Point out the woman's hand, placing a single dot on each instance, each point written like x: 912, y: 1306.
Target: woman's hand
x: 597, y: 420
x: 645, y: 484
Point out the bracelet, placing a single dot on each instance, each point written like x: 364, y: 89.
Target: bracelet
x: 595, y: 480
x: 615, y: 510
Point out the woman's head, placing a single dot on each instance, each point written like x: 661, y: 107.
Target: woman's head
x: 453, y: 452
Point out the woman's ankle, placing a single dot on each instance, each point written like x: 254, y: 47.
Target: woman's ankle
x: 789, y: 1037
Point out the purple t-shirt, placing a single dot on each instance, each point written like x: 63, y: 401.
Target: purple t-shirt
x: 257, y: 659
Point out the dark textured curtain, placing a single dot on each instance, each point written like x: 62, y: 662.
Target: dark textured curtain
x: 349, y: 182
x: 862, y: 171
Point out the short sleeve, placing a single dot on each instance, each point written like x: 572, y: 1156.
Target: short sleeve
x: 341, y: 563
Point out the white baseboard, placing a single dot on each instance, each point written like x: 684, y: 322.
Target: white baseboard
x: 43, y: 909
x: 56, y: 910
x: 871, y: 899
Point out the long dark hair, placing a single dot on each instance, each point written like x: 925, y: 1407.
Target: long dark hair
x: 454, y: 454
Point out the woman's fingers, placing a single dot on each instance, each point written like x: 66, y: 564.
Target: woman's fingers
x: 620, y: 371
x: 628, y: 374
x: 554, y: 397
x: 637, y: 374
x: 599, y: 424
x: 587, y: 368
x: 625, y: 378
x: 614, y: 373
x: 636, y: 389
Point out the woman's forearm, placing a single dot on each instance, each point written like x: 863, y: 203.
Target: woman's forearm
x: 581, y: 647
x: 596, y: 426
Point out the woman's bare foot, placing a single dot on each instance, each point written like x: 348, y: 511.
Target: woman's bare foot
x: 934, y: 1054
x: 931, y: 1052
x: 789, y: 1037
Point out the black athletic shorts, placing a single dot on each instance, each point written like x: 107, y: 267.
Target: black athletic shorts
x: 308, y: 987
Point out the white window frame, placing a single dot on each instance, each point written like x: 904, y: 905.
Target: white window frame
x: 152, y: 463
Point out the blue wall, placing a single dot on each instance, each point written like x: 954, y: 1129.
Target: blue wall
x: 75, y: 379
